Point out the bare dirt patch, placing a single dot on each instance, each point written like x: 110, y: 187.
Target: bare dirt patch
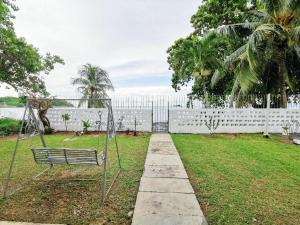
x: 286, y: 141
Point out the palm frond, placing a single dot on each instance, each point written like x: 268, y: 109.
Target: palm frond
x: 252, y: 58
x: 79, y: 81
x: 244, y: 74
x: 216, y: 77
x: 291, y: 5
x: 273, y: 6
x: 260, y: 14
x: 104, y: 86
x: 231, y: 58
x: 297, y: 50
x: 295, y: 36
x: 234, y: 91
x: 93, y: 81
x: 231, y: 29
x: 264, y: 32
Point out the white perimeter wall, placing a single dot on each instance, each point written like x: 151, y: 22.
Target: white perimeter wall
x: 143, y: 119
x: 181, y: 120
x: 231, y: 120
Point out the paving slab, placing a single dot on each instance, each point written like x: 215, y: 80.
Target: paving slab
x: 163, y: 160
x: 167, y: 204
x: 165, y: 172
x: 161, y: 137
x: 162, y: 151
x: 168, y: 220
x: 165, y: 195
x: 162, y: 144
x: 165, y: 185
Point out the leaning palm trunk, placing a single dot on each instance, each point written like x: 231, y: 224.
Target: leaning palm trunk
x: 283, y: 95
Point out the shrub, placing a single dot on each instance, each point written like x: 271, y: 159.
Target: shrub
x: 86, y: 125
x: 9, y: 126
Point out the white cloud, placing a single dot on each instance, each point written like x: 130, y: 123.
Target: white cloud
x: 127, y: 38
x: 138, y: 68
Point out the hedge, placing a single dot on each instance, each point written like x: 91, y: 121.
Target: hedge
x: 9, y: 126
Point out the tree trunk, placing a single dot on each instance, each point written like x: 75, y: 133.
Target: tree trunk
x: 283, y: 95
x: 91, y: 100
x: 204, y: 91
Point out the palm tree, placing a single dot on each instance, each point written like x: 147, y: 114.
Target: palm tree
x: 93, y: 83
x: 199, y: 57
x: 264, y: 59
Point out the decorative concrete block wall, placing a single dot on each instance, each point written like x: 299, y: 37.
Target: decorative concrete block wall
x: 124, y: 119
x: 143, y: 119
x: 231, y: 120
x: 180, y: 120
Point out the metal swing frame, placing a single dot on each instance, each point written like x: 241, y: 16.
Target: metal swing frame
x: 67, y: 156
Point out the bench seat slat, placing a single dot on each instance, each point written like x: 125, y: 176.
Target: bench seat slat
x: 67, y: 156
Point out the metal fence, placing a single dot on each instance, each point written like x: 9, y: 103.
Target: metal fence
x: 212, y: 101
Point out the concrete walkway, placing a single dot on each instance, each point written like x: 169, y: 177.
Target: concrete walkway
x: 165, y: 195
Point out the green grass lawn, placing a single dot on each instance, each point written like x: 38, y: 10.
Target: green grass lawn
x: 243, y: 179
x: 53, y: 199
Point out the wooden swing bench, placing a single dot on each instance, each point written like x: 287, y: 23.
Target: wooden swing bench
x: 67, y: 156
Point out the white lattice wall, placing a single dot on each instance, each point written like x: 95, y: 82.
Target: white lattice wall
x: 143, y: 118
x: 181, y: 120
x: 231, y: 120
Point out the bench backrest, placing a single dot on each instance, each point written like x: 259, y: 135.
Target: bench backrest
x: 66, y: 156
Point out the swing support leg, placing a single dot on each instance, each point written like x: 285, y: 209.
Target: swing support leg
x: 110, y: 127
x: 42, y: 172
x: 29, y: 110
x: 105, y: 158
x: 117, y: 148
x: 14, y: 154
x: 116, y: 142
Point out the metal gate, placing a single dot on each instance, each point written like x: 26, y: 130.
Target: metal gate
x: 160, y: 115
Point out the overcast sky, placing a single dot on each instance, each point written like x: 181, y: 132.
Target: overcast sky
x: 128, y: 38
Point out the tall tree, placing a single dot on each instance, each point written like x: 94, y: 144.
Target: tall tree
x: 197, y: 58
x: 21, y: 64
x: 270, y: 51
x: 214, y: 13
x: 93, y: 83
x: 210, y: 15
